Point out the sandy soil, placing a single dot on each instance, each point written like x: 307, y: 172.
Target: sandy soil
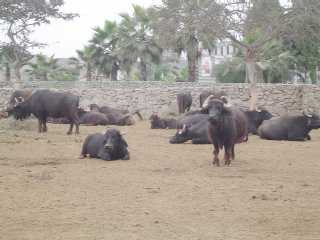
x: 271, y: 191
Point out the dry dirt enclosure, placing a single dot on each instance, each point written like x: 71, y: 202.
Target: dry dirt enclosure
x: 271, y: 191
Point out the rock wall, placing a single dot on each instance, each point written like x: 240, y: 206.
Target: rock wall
x: 161, y: 97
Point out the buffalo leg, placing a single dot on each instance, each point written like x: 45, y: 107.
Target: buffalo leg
x: 232, y: 152
x: 216, y: 155
x: 227, y: 155
x: 39, y: 125
x: 70, y: 128
x: 44, y: 125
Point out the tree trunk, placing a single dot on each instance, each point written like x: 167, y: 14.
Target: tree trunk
x: 17, y: 72
x: 7, y: 72
x: 143, y: 71
x: 192, y: 55
x: 89, y: 72
x: 251, y: 76
x: 114, y: 72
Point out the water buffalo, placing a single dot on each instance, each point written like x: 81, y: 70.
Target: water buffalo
x: 228, y: 126
x: 17, y: 97
x: 93, y: 118
x: 107, y: 109
x: 289, y: 127
x: 45, y: 103
x: 184, y: 101
x: 197, y: 133
x: 206, y: 93
x: 108, y: 146
x: 116, y: 116
x: 255, y: 119
x: 162, y: 123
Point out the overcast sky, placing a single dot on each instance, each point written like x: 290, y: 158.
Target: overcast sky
x: 64, y: 37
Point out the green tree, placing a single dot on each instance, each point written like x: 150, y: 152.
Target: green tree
x: 18, y: 19
x: 104, y: 43
x: 178, y: 27
x: 136, y: 42
x: 43, y: 67
x: 86, y: 57
x: 259, y: 22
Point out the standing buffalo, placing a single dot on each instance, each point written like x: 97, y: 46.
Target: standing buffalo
x: 255, y: 119
x: 162, y: 123
x: 45, y: 103
x: 17, y: 97
x: 292, y: 128
x: 184, y: 101
x: 227, y: 127
x: 108, y: 146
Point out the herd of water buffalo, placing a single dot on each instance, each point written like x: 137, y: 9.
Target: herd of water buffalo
x: 216, y: 122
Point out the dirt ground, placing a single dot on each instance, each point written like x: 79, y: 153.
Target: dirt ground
x: 271, y: 191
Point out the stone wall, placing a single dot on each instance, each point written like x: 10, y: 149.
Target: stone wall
x: 161, y: 97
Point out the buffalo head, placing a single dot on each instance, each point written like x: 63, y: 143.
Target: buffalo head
x: 113, y: 139
x: 181, y: 135
x: 215, y: 107
x: 313, y: 120
x: 20, y: 109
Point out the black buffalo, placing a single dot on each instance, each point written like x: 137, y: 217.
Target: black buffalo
x: 206, y: 93
x: 17, y: 97
x: 107, y: 109
x: 108, y: 146
x: 289, y: 127
x: 227, y: 127
x: 197, y: 133
x: 116, y: 116
x: 45, y: 103
x: 256, y: 118
x: 162, y: 123
x: 94, y: 119
x: 184, y: 101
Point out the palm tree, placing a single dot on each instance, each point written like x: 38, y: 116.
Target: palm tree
x: 86, y: 56
x: 136, y: 42
x: 43, y: 67
x: 104, y: 44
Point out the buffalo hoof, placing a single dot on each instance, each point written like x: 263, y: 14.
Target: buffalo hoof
x: 216, y: 163
x: 82, y: 157
x: 126, y: 157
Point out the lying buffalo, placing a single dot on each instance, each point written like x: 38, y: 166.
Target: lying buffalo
x: 191, y: 119
x: 228, y: 126
x: 45, y: 103
x: 162, y: 123
x: 184, y: 101
x: 116, y: 116
x: 197, y: 133
x: 107, y: 109
x: 94, y: 119
x: 108, y: 146
x: 289, y: 127
x: 255, y: 119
